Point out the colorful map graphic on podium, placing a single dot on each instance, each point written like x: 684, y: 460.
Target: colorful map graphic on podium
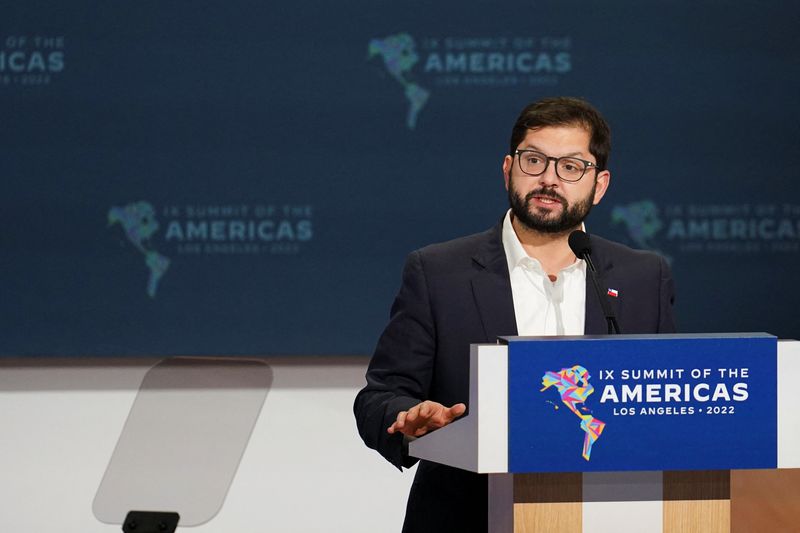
x: 574, y: 388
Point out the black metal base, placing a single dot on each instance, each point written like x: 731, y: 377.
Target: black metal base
x: 150, y: 522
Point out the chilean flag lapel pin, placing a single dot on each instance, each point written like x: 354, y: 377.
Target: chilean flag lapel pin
x: 614, y: 293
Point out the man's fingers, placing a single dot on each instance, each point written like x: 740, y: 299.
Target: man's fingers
x: 457, y: 410
x: 425, y: 409
x: 401, y: 420
x: 425, y: 417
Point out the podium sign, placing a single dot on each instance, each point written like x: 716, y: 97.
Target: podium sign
x: 642, y: 403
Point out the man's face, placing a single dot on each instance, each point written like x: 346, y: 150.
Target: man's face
x: 545, y: 203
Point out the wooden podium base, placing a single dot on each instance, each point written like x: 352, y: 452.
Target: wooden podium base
x: 640, y: 502
x: 697, y: 501
x: 548, y: 502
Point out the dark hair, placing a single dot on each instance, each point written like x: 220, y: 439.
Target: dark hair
x: 565, y: 111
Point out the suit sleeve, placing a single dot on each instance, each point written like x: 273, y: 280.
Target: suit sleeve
x: 399, y: 374
x: 666, y: 319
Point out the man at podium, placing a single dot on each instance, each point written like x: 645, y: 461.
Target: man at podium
x: 520, y: 277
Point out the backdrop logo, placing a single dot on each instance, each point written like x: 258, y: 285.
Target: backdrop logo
x: 31, y: 60
x: 642, y: 221
x: 574, y: 388
x: 262, y: 229
x: 399, y: 57
x: 455, y: 62
x: 139, y: 222
x: 711, y: 228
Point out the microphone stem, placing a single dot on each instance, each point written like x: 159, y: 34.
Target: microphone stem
x: 611, y: 320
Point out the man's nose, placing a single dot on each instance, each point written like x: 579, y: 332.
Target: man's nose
x: 549, y: 178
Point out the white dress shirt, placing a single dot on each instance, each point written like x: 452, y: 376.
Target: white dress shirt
x: 542, y: 306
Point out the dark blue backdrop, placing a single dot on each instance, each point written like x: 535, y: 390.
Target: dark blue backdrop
x: 261, y: 162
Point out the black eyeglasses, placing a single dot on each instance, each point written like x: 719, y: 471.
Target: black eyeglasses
x: 569, y: 169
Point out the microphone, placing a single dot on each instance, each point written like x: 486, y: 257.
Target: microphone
x: 581, y: 246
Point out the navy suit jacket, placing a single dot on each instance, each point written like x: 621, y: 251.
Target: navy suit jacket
x: 457, y: 293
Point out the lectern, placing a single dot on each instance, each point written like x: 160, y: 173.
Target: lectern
x: 622, y: 433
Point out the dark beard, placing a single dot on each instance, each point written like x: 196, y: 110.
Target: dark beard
x: 571, y: 216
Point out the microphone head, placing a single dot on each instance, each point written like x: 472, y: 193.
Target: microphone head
x: 579, y: 243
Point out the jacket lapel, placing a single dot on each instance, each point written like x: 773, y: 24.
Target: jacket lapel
x: 491, y: 287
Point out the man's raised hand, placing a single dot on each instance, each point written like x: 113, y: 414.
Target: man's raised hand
x: 425, y: 417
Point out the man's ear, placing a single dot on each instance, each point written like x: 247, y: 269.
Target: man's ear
x: 508, y: 161
x: 602, y: 181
